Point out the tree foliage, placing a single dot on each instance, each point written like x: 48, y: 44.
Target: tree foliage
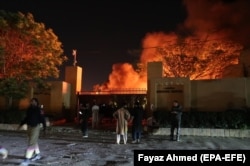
x: 28, y: 51
x: 198, y: 59
x: 13, y: 89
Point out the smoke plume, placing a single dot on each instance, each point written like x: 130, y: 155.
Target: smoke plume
x: 216, y: 19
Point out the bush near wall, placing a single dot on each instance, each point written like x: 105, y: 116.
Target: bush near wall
x: 229, y: 119
x: 13, y: 116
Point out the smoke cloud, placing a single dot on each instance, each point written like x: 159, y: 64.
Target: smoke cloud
x: 218, y: 19
x: 228, y: 19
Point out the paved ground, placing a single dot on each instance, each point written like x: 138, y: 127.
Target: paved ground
x: 67, y: 147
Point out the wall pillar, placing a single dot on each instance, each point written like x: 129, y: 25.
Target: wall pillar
x: 73, y: 75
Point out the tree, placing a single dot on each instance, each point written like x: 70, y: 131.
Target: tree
x: 12, y: 89
x: 198, y: 59
x: 28, y: 52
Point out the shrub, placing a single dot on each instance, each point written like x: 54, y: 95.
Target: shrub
x: 233, y: 119
x: 11, y: 116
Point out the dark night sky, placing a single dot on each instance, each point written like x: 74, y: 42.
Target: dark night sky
x: 103, y: 32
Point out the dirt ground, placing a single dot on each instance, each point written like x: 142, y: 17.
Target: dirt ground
x: 67, y: 147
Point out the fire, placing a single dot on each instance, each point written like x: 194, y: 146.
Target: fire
x: 192, y: 56
x: 215, y: 31
x: 228, y: 19
x: 124, y: 76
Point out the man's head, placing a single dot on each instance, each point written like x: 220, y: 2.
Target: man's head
x: 34, y: 102
x: 175, y: 103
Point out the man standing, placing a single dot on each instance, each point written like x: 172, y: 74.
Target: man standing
x: 34, y: 117
x: 122, y: 116
x: 84, y: 114
x: 176, y: 113
x: 95, y: 115
x: 137, y: 117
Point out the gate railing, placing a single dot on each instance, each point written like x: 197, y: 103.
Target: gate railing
x: 115, y: 91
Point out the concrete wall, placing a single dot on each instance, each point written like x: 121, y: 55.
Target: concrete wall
x: 59, y: 98
x: 164, y: 90
x: 73, y: 75
x: 55, y: 102
x: 154, y: 71
x: 219, y: 95
x: 201, y: 95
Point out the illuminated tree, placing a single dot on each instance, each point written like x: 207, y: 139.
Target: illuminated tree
x: 198, y: 59
x: 28, y: 52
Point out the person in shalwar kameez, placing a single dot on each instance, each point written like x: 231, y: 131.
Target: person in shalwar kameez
x: 122, y: 116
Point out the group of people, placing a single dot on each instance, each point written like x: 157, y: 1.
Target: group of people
x: 123, y: 117
x: 35, y: 116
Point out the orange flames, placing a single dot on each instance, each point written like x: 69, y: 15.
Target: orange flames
x: 221, y: 26
x: 124, y: 76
